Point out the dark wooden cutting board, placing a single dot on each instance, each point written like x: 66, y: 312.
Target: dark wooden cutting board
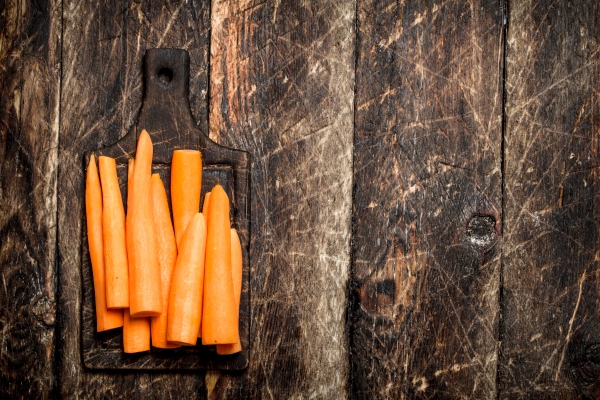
x: 166, y: 115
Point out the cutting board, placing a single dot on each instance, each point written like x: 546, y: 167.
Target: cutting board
x: 166, y: 115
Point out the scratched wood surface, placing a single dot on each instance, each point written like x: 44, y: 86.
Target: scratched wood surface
x: 424, y: 190
x: 550, y: 332
x: 427, y: 199
x: 29, y: 93
x: 282, y: 88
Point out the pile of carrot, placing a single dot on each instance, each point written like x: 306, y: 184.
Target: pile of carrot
x: 167, y: 282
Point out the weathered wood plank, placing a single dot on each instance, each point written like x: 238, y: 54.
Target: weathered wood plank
x: 550, y: 330
x: 102, y: 87
x: 282, y: 88
x: 427, y: 199
x: 30, y: 43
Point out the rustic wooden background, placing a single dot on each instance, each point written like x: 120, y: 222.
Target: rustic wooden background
x: 425, y: 190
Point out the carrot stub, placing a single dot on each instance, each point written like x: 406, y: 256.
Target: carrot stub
x: 113, y: 225
x: 236, y: 272
x: 144, y: 269
x: 136, y: 333
x: 186, y: 183
x: 185, y: 300
x: 167, y: 256
x: 219, y: 316
x: 105, y: 319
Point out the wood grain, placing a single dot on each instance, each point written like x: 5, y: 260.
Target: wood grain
x: 550, y: 330
x: 102, y: 87
x: 427, y: 199
x: 415, y: 312
x: 282, y: 87
x: 29, y: 91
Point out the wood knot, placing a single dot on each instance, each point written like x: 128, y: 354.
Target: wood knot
x: 481, y: 230
x: 44, y: 311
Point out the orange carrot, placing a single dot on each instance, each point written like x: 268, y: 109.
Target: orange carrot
x: 205, y: 214
x: 205, y: 205
x: 236, y: 271
x: 136, y: 331
x: 105, y: 319
x: 219, y: 322
x: 186, y: 183
x: 144, y: 269
x: 185, y: 300
x: 136, y: 334
x: 113, y: 226
x: 167, y: 256
x: 130, y: 167
x: 129, y: 206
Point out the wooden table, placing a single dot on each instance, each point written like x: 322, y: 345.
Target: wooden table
x: 425, y: 219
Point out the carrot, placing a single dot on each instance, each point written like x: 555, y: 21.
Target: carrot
x: 236, y: 272
x: 186, y: 183
x: 167, y: 256
x: 219, y: 322
x: 136, y: 334
x: 205, y: 214
x: 205, y: 205
x: 129, y: 206
x: 105, y: 319
x: 113, y: 227
x: 185, y: 300
x: 144, y: 269
x: 136, y: 331
x: 130, y: 167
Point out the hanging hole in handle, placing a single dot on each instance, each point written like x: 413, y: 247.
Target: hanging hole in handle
x: 165, y: 75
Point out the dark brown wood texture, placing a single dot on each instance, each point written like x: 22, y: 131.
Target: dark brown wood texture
x: 464, y: 281
x: 101, y: 97
x: 550, y: 332
x: 427, y: 199
x: 166, y: 116
x: 29, y: 93
x: 282, y: 87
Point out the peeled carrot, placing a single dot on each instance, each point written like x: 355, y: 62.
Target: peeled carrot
x: 236, y: 272
x: 113, y: 227
x: 219, y: 318
x: 185, y: 300
x: 186, y: 183
x: 105, y: 319
x: 205, y: 205
x: 144, y: 269
x: 167, y: 256
x: 205, y: 214
x: 136, y: 333
x: 130, y: 167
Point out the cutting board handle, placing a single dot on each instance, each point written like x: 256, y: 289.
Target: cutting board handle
x: 166, y: 74
x: 165, y: 112
x: 167, y: 116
